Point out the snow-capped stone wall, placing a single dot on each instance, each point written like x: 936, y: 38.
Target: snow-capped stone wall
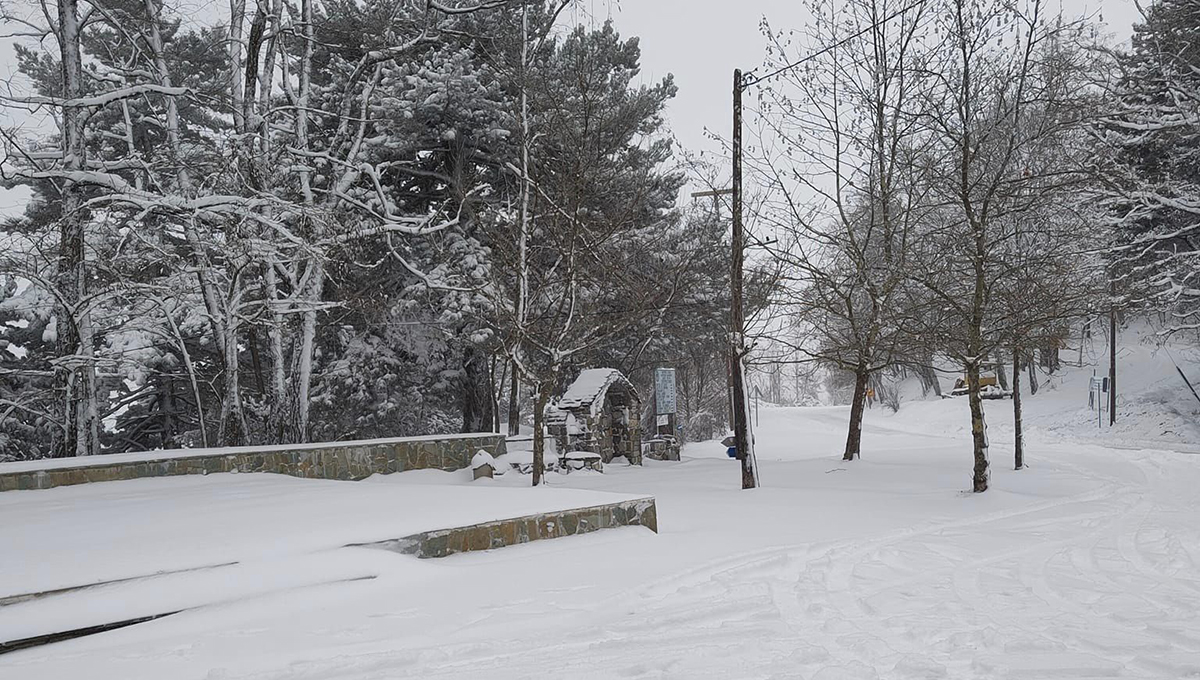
x: 517, y: 530
x: 335, y: 460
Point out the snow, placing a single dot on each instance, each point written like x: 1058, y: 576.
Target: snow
x: 587, y: 388
x: 138, y: 527
x: 482, y: 458
x: 581, y: 455
x: 1084, y: 565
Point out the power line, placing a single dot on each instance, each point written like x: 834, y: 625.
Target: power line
x: 749, y: 82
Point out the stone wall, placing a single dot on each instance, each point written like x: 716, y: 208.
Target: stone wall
x: 662, y: 447
x: 505, y: 532
x: 338, y: 460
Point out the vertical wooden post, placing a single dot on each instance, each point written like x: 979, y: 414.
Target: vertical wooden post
x: 1018, y: 426
x: 741, y: 422
x: 1112, y: 365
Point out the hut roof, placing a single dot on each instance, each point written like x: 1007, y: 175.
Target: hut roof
x: 588, y: 391
x: 591, y: 384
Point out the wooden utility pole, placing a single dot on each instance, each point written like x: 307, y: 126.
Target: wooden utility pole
x: 1112, y: 348
x: 1018, y: 427
x: 741, y: 420
x: 1112, y: 366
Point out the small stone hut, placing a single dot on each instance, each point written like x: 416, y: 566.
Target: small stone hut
x: 600, y: 413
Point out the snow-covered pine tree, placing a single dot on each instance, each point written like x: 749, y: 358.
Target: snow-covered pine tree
x: 1152, y: 185
x: 602, y: 195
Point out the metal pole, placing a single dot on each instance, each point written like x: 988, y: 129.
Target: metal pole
x: 741, y: 427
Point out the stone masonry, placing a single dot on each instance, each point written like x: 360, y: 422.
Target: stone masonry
x: 506, y: 532
x: 345, y: 461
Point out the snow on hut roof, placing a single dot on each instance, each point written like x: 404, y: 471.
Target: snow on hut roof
x: 590, y: 384
x: 587, y: 393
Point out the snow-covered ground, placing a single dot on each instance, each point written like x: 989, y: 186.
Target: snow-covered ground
x: 1085, y: 565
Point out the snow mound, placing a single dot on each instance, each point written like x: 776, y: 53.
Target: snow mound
x: 482, y: 458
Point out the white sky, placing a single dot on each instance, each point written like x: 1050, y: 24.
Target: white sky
x: 700, y: 42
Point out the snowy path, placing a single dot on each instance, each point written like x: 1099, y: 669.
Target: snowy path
x: 1098, y: 584
x: 1085, y: 566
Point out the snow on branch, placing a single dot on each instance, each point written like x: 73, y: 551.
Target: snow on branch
x: 467, y: 9
x: 104, y: 98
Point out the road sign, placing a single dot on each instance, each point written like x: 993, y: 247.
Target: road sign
x: 664, y: 390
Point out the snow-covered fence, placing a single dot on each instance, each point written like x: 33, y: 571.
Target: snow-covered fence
x: 333, y: 460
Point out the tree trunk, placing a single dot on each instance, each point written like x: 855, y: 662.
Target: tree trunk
x: 1055, y: 359
x: 191, y: 371
x: 237, y: 15
x: 497, y: 390
x: 1049, y: 356
x: 1018, y: 430
x: 230, y: 408
x: 1033, y: 382
x: 476, y: 391
x: 233, y: 422
x: 302, y: 376
x: 74, y: 374
x: 514, y: 403
x: 857, y: 406
x: 277, y: 417
x: 929, y: 378
x: 1084, y: 335
x: 256, y: 360
x: 169, y: 409
x: 1001, y: 376
x: 519, y: 311
x: 539, y: 431
x: 305, y: 85
x: 979, y: 481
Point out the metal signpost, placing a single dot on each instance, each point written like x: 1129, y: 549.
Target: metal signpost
x: 1097, y: 390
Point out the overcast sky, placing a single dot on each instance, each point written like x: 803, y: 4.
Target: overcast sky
x: 702, y: 41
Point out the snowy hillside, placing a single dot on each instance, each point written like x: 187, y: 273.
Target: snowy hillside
x: 1155, y: 408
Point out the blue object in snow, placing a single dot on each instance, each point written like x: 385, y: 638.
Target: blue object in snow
x: 731, y: 452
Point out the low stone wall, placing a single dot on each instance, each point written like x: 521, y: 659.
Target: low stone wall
x: 337, y: 460
x: 505, y: 532
x: 661, y: 448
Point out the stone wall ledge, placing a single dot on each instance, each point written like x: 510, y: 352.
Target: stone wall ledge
x: 324, y: 460
x: 517, y: 530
